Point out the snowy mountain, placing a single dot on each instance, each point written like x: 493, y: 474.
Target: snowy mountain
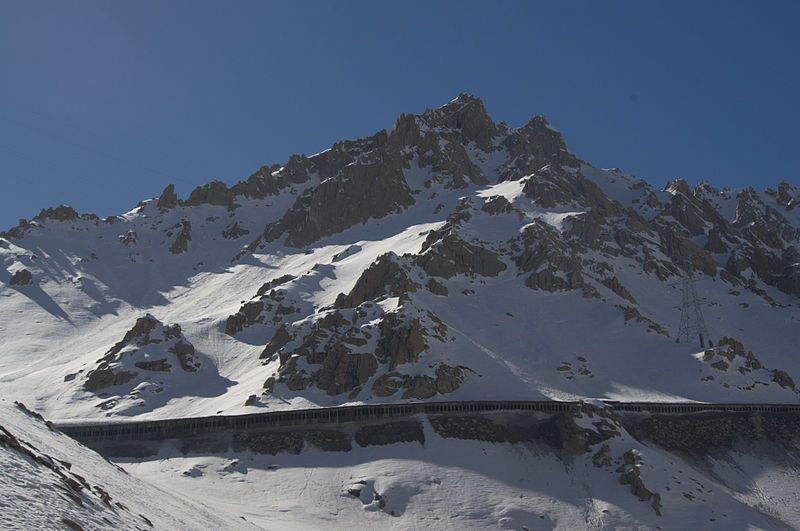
x: 49, y: 481
x: 501, y: 471
x: 489, y: 472
x: 451, y: 257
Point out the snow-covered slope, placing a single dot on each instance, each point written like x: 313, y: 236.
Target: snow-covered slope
x: 49, y: 481
x: 471, y: 481
x: 449, y: 258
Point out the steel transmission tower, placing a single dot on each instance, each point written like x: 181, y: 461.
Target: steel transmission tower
x: 692, y: 326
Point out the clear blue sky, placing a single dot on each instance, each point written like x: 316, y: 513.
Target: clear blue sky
x: 103, y: 103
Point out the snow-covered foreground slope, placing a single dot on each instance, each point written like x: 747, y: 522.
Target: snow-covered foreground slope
x: 531, y: 471
x: 449, y: 258
x: 49, y: 481
x: 455, y: 483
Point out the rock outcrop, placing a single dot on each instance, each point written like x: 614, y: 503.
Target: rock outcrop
x: 400, y: 341
x: 533, y: 147
x: 181, y: 243
x: 21, y: 277
x: 269, y: 306
x: 730, y: 356
x: 143, y: 347
x: 445, y: 380
x: 384, y: 277
x: 234, y: 231
x: 630, y: 474
x: 59, y: 213
x: 168, y: 198
x: 372, y: 188
x: 445, y: 255
x: 213, y: 193
x: 128, y: 239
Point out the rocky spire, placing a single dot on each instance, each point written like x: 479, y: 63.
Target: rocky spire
x: 168, y: 198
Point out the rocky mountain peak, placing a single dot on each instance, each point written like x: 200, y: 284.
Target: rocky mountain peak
x: 467, y: 115
x: 391, y: 257
x: 532, y: 147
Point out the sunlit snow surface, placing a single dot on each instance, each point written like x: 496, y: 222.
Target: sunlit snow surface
x: 90, y: 289
x: 34, y: 496
x: 461, y: 484
x: 519, y: 344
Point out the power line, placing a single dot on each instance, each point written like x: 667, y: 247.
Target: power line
x: 692, y: 325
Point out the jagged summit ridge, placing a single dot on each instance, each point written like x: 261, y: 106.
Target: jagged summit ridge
x: 448, y: 257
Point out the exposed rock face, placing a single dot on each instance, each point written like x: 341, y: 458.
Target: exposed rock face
x: 552, y: 185
x: 497, y: 205
x: 185, y: 353
x: 268, y: 286
x: 384, y: 277
x: 444, y: 139
x: 436, y: 287
x: 264, y: 183
x: 787, y: 195
x: 446, y: 380
x: 554, y: 264
x: 373, y: 188
x: 269, y: 306
x: 148, y: 335
x: 341, y: 354
x: 234, y: 231
x: 128, y: 239
x: 344, y: 370
x: 213, y: 193
x: 687, y: 214
x: 181, y: 243
x: 161, y: 365
x: 400, y: 342
x: 59, y: 213
x: 451, y: 159
x: 278, y: 341
x: 18, y: 232
x: 22, y: 277
x: 467, y: 115
x: 549, y: 280
x: 783, y: 379
x: 630, y: 313
x: 715, y: 242
x: 616, y: 286
x: 248, y: 314
x: 533, y: 147
x: 329, y: 345
x: 103, y: 377
x: 630, y: 474
x: 168, y: 198
x: 445, y: 255
x: 685, y: 253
